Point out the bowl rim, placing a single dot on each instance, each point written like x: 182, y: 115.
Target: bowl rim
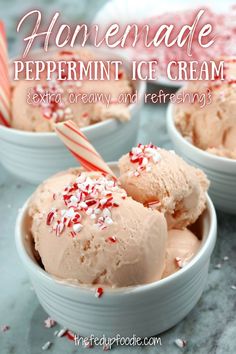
x: 141, y: 89
x: 38, y: 135
x: 195, y: 150
x: 208, y: 244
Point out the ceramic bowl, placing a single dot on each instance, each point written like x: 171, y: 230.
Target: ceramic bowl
x: 220, y: 171
x: 34, y: 157
x: 143, y: 310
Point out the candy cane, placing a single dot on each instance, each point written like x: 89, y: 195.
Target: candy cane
x: 5, y: 86
x: 80, y: 147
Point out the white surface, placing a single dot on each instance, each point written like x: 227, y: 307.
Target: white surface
x: 220, y: 171
x: 124, y: 311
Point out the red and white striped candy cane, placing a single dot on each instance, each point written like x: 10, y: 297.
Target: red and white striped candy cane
x: 5, y: 86
x: 81, y: 148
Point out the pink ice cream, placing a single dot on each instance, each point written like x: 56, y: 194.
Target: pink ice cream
x: 163, y: 181
x: 87, y: 230
x: 60, y: 107
x: 182, y: 246
x: 212, y: 127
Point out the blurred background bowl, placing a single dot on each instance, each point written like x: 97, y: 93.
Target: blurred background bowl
x: 220, y: 171
x: 133, y: 11
x: 35, y: 156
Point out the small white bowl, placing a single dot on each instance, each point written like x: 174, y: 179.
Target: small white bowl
x: 143, y: 310
x: 220, y: 171
x: 35, y: 156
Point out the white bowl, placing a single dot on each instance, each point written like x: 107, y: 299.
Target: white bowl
x: 220, y: 171
x: 144, y: 310
x: 35, y: 156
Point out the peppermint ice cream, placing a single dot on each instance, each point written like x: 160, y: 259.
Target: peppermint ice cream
x: 213, y: 127
x: 91, y: 229
x: 182, y: 245
x: 88, y: 230
x: 163, y: 181
x: 60, y: 100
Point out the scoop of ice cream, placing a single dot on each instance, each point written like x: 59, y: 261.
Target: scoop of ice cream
x: 212, y: 127
x: 86, y: 229
x: 163, y: 181
x: 56, y: 101
x: 182, y: 245
x: 223, y: 152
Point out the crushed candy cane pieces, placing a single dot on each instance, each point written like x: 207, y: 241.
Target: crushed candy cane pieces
x: 53, y: 108
x: 87, y: 196
x: 181, y: 343
x: 179, y: 262
x: 5, y: 328
x: 47, y: 345
x: 106, y: 347
x: 145, y: 156
x: 99, y: 292
x: 70, y: 335
x: 61, y: 332
x: 87, y: 344
x: 49, y: 322
x: 111, y: 239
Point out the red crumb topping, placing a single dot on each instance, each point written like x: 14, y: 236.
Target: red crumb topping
x: 52, y: 107
x: 49, y: 323
x: 145, y: 156
x: 111, y: 239
x: 179, y: 262
x: 99, y: 292
x: 70, y: 335
x: 86, y: 197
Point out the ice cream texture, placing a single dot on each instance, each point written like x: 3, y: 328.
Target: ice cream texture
x: 182, y: 246
x: 60, y: 100
x: 88, y: 230
x: 161, y: 180
x: 213, y: 127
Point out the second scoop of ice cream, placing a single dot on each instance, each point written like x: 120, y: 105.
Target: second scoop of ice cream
x: 85, y: 228
x: 163, y: 181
